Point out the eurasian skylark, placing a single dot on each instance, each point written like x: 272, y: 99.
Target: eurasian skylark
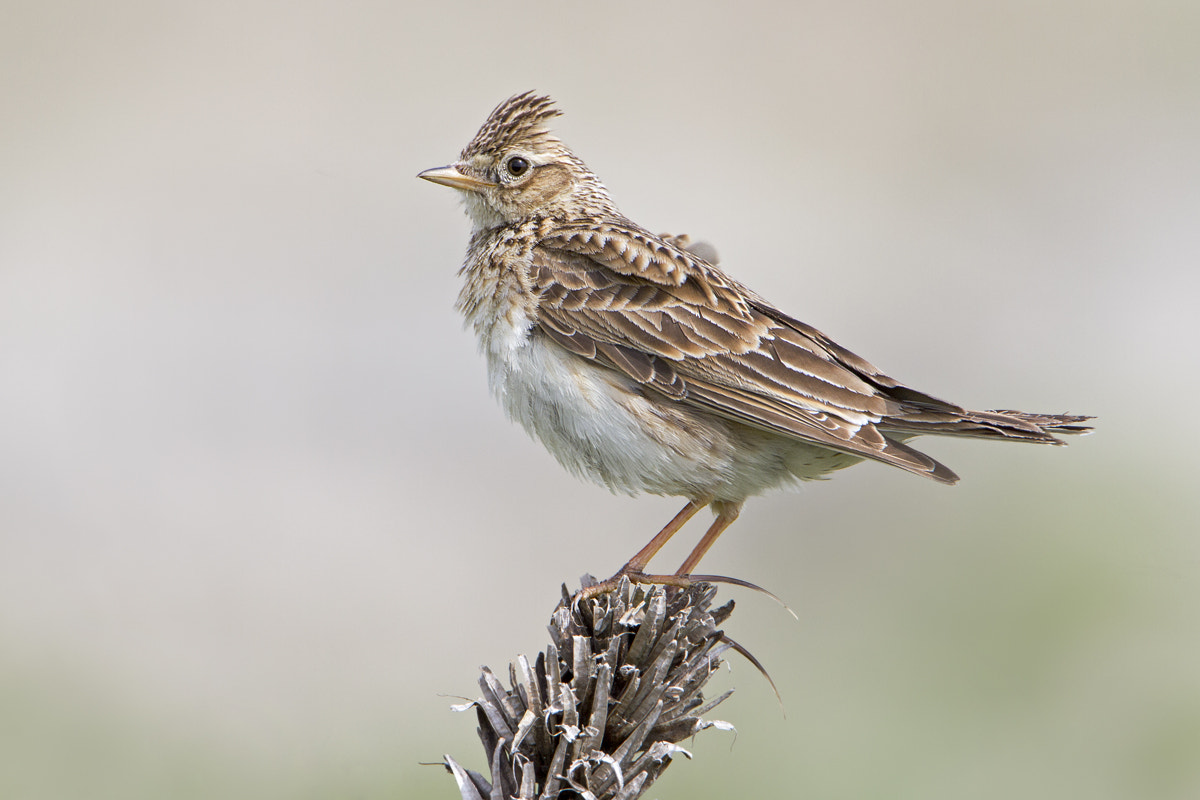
x: 642, y: 366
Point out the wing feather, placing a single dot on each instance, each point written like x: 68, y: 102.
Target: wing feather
x: 673, y: 323
x: 658, y: 312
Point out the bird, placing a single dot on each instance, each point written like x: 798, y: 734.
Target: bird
x: 642, y: 366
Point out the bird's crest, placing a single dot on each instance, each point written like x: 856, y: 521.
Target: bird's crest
x: 520, y: 118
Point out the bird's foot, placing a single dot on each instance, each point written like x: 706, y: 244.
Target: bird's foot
x: 634, y: 576
x: 678, y: 581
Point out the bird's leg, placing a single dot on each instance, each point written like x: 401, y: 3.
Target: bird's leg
x: 638, y: 563
x: 634, y: 566
x: 727, y: 512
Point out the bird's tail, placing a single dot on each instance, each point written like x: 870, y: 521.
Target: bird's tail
x: 1017, y: 426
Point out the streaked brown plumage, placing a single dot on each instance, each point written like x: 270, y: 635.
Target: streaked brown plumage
x: 641, y: 365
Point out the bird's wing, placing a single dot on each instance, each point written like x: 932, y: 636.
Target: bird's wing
x: 673, y: 322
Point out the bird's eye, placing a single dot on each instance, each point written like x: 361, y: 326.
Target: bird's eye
x: 517, y: 166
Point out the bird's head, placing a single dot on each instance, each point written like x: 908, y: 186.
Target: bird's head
x: 515, y: 169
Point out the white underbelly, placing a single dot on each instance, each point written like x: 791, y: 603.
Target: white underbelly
x: 599, y: 424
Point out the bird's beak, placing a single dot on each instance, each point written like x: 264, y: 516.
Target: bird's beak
x: 450, y: 176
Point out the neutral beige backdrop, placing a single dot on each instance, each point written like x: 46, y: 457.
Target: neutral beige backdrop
x: 259, y: 516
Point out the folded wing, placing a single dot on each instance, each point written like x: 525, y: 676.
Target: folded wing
x: 669, y: 320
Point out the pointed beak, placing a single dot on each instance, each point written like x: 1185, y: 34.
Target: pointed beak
x: 450, y: 176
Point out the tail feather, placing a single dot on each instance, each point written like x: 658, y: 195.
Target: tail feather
x: 1051, y: 423
x: 1000, y: 424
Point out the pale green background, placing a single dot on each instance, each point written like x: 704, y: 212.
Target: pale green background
x: 258, y: 514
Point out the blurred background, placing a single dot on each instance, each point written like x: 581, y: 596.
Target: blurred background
x: 260, y: 521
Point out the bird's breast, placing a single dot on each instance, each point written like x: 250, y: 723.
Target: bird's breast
x: 495, y: 299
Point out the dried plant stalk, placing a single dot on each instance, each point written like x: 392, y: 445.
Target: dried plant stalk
x: 601, y: 712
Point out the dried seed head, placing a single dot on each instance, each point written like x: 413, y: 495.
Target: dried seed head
x: 601, y: 711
